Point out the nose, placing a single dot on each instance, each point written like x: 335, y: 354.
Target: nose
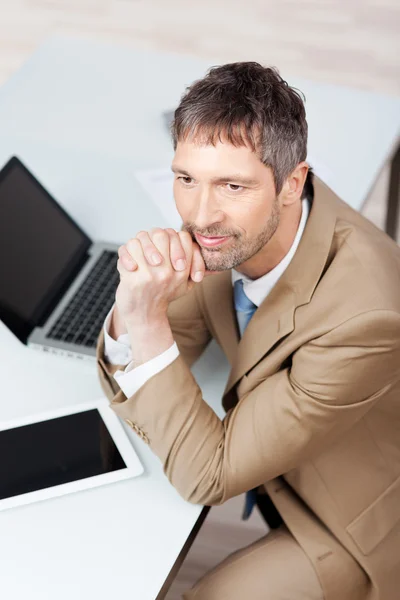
x: 206, y: 209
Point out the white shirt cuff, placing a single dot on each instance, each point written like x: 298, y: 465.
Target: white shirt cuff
x: 131, y: 379
x: 116, y: 352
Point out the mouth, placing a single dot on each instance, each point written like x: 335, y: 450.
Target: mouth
x: 211, y: 242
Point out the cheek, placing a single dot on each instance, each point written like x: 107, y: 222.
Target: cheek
x: 178, y: 199
x: 182, y: 202
x: 248, y: 218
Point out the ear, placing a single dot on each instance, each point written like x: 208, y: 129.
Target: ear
x: 293, y: 186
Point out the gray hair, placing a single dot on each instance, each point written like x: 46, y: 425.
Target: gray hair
x: 250, y: 105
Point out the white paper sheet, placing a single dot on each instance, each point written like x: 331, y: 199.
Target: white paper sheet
x: 157, y: 183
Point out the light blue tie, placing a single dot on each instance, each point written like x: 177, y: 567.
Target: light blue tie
x: 245, y: 309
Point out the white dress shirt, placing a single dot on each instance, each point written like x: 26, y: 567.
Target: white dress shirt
x: 118, y: 352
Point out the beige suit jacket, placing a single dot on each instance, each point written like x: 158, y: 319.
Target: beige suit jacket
x: 312, y: 400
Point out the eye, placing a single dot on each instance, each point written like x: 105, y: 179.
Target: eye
x: 186, y: 180
x: 234, y: 187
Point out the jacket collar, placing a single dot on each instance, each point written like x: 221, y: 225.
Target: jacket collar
x: 274, y: 318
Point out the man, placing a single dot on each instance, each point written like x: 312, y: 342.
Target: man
x: 303, y: 295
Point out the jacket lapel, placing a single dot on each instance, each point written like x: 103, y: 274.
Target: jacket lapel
x: 218, y: 297
x: 275, y: 317
x: 273, y: 320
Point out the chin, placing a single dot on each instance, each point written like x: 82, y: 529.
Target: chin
x: 220, y: 263
x: 223, y: 259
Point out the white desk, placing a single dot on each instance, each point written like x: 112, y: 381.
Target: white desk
x: 117, y: 541
x: 82, y: 116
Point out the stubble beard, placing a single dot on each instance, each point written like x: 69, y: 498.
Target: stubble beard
x: 238, y: 250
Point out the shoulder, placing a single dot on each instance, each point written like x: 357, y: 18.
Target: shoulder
x: 363, y: 270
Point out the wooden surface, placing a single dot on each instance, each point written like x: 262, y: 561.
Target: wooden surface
x: 355, y: 43
x: 352, y: 42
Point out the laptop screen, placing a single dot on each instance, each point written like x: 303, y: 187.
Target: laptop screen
x: 41, y: 249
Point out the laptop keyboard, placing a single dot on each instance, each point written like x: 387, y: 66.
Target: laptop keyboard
x: 83, y: 317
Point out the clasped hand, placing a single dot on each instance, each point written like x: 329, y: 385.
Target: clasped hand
x: 155, y: 268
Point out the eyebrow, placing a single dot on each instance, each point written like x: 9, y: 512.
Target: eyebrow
x: 235, y: 178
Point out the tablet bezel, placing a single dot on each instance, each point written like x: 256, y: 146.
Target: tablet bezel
x: 133, y: 465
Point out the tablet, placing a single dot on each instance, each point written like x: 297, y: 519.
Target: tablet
x: 63, y: 451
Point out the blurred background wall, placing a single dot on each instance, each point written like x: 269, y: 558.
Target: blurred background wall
x: 353, y: 42
x: 348, y: 42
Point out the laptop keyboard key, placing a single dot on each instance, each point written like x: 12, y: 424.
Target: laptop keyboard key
x: 83, y: 317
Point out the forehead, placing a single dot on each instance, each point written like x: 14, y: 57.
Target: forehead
x: 199, y: 157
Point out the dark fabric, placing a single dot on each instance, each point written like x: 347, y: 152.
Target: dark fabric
x: 268, y: 511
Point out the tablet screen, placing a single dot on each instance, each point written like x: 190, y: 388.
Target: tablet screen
x: 57, y: 451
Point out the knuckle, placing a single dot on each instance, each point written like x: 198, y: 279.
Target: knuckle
x: 135, y: 243
x: 163, y: 275
x: 147, y: 278
x: 197, y: 254
x: 133, y: 246
x: 158, y: 233
x: 127, y: 262
x: 177, y: 249
x: 185, y: 236
x: 175, y: 240
x: 171, y: 232
x: 130, y: 244
x: 142, y: 239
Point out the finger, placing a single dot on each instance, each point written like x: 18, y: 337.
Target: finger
x: 187, y: 246
x: 121, y: 269
x: 135, y: 249
x: 126, y: 259
x: 198, y: 267
x: 160, y: 240
x: 176, y: 251
x: 150, y: 252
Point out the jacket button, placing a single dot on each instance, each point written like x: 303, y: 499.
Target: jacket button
x: 137, y: 429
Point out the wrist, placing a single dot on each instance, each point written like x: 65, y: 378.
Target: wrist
x: 117, y: 326
x: 149, y: 338
x: 138, y: 320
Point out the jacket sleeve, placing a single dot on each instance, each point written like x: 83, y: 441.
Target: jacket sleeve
x: 189, y: 330
x: 285, y: 419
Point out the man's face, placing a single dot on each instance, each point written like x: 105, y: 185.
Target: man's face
x: 226, y: 198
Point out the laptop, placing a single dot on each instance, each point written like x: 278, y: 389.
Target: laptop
x: 56, y: 284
